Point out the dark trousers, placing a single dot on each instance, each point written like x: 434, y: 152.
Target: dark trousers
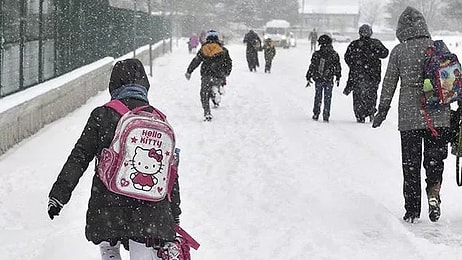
x: 435, y: 150
x: 313, y: 46
x: 252, y: 58
x: 322, y: 88
x: 365, y: 98
x: 206, y: 91
x: 268, y: 63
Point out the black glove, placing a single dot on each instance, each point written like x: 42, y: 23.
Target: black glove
x: 187, y: 75
x: 337, y: 81
x: 346, y: 92
x: 176, y: 219
x: 380, y: 116
x: 54, y: 207
x: 308, y: 83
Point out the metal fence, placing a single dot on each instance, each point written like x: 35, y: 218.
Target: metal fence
x: 42, y: 39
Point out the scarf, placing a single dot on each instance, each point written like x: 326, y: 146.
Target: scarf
x: 131, y: 91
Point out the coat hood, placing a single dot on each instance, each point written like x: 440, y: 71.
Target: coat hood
x: 411, y: 24
x: 211, y: 49
x: 125, y: 72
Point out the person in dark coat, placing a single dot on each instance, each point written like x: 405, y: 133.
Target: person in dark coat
x: 406, y: 65
x: 269, y: 52
x: 216, y: 66
x: 363, y: 57
x: 313, y: 37
x: 253, y: 42
x: 324, y: 66
x: 114, y: 219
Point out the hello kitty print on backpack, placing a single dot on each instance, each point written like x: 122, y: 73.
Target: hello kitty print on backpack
x: 139, y: 163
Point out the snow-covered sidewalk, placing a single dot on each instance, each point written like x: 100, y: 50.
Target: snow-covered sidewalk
x: 261, y: 181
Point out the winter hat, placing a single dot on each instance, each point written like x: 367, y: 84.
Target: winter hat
x: 129, y: 71
x: 324, y: 40
x: 212, y: 35
x: 365, y: 30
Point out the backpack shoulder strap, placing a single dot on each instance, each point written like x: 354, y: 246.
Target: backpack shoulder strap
x: 118, y: 106
x: 162, y: 115
x: 121, y: 108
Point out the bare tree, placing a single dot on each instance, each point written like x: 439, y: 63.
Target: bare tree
x: 371, y: 11
x: 431, y: 9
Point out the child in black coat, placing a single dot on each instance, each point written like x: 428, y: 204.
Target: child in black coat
x: 325, y: 64
x: 269, y: 52
x: 114, y: 219
x: 216, y: 66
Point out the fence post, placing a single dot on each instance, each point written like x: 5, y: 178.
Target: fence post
x: 40, y: 43
x: 150, y: 37
x: 22, y: 39
x: 134, y: 29
x: 2, y: 41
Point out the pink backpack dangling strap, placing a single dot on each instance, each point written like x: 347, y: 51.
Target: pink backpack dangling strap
x: 191, y: 241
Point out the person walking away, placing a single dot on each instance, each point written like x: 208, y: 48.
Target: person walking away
x: 313, y: 37
x: 324, y: 66
x: 406, y: 65
x: 363, y: 58
x: 202, y: 36
x: 112, y: 219
x: 269, y: 52
x: 216, y: 66
x: 193, y: 43
x: 253, y: 42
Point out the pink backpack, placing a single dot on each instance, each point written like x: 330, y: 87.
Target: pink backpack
x: 139, y: 163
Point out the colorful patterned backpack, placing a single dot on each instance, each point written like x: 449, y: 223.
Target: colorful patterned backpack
x: 442, y: 80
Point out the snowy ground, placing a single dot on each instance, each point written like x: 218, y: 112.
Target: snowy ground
x: 261, y: 181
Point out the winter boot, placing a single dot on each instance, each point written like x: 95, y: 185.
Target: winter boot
x: 216, y: 97
x: 208, y: 117
x: 433, y: 195
x: 434, y: 211
x: 315, y: 117
x: 411, y: 217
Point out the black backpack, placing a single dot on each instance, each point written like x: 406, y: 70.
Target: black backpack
x: 323, y: 67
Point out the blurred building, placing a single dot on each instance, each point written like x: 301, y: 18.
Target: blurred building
x: 329, y: 17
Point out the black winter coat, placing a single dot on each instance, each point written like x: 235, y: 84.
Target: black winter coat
x: 269, y: 50
x: 331, y: 65
x: 215, y: 60
x: 363, y: 57
x: 253, y: 41
x: 112, y: 217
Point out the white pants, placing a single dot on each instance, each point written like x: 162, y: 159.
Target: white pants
x: 138, y: 251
